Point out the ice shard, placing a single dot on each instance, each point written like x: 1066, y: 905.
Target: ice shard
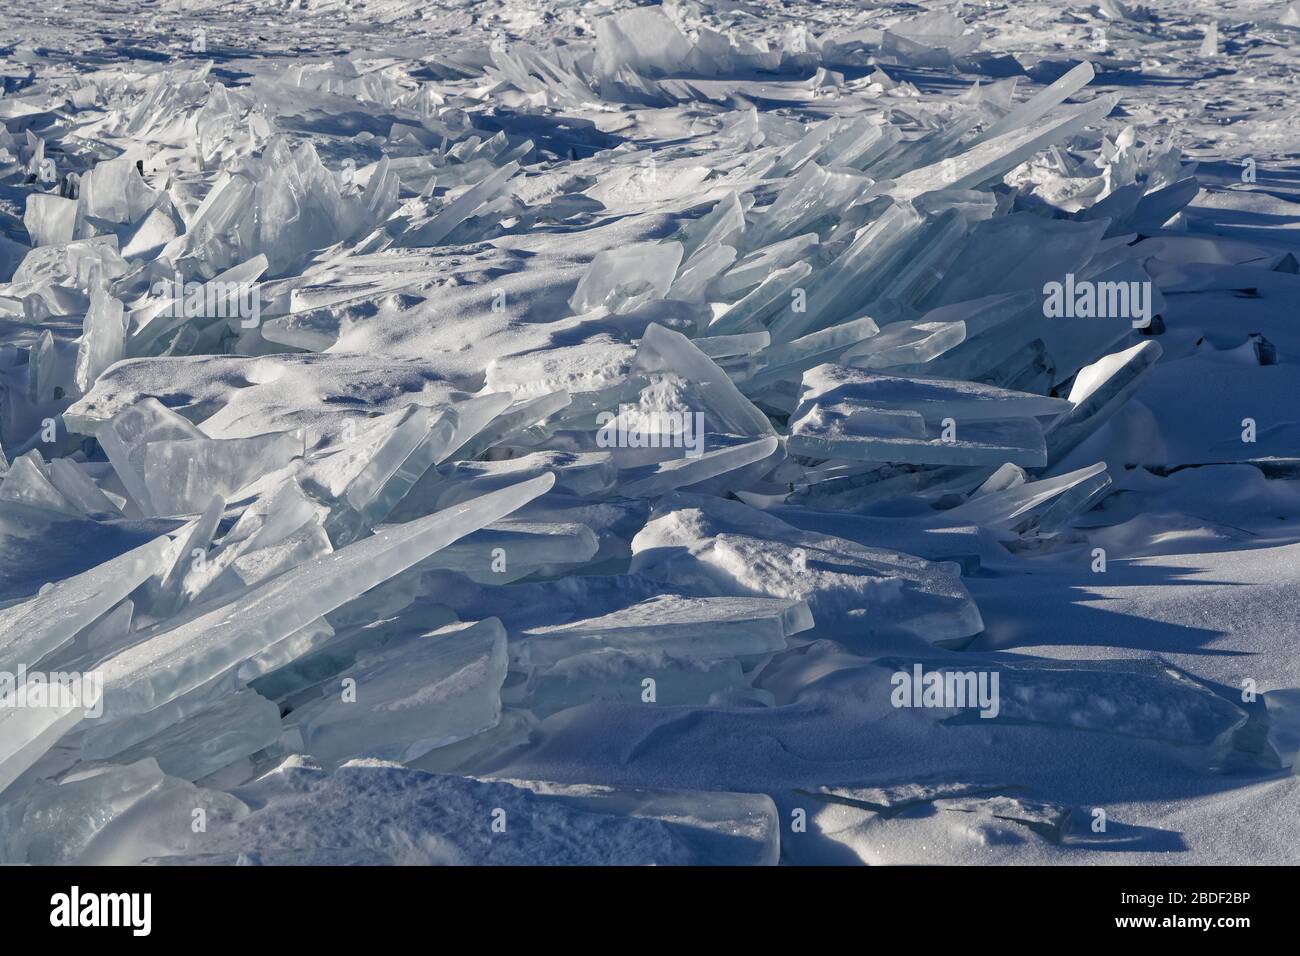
x: 866, y: 416
x: 33, y: 629
x: 103, y: 338
x: 411, y: 696
x: 693, y: 628
x: 622, y: 279
x: 173, y: 660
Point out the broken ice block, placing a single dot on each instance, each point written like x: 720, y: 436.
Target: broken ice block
x: 696, y: 384
x: 27, y: 483
x: 513, y: 548
x: 713, y: 546
x: 697, y: 274
x: 109, y: 815
x: 1099, y: 391
x: 35, y: 628
x: 114, y: 191
x: 42, y: 370
x: 1042, y: 102
x: 719, y: 227
x: 514, y: 421
x: 255, y: 565
x: 771, y: 294
x: 235, y: 726
x: 786, y: 363
x: 932, y: 398
x: 846, y: 413
x: 50, y: 219
x: 753, y: 269
x: 176, y: 658
x: 1210, y: 43
x: 181, y: 477
x: 644, y: 40
x: 420, y: 437
x: 27, y: 734
x: 619, y: 280
x: 854, y: 276
x: 124, y: 439
x: 666, y: 476
x: 437, y: 229
x: 591, y: 473
x: 617, y: 676
x: 103, y: 338
x: 167, y: 596
x: 998, y: 155
x: 911, y: 344
x: 1021, y: 506
x: 75, y: 486
x: 54, y: 823
x: 690, y: 627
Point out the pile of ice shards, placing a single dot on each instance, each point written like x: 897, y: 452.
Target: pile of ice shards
x: 248, y: 487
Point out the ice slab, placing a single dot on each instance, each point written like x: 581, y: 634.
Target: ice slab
x: 255, y: 565
x: 686, y: 472
x: 410, y: 696
x: 181, y: 477
x: 49, y: 219
x: 27, y: 483
x: 585, y: 473
x: 515, y: 548
x: 847, y: 413
x: 201, y: 744
x: 107, y: 815
x: 1099, y: 391
x: 35, y: 628
x: 176, y: 659
x: 994, y: 157
x: 1031, y: 505
x: 125, y: 437
x: 940, y: 539
x: 27, y: 733
x: 694, y: 383
x: 103, y: 338
x: 713, y: 546
x: 618, y: 676
x: 115, y: 192
x: 619, y: 280
x: 71, y: 480
x: 696, y: 628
